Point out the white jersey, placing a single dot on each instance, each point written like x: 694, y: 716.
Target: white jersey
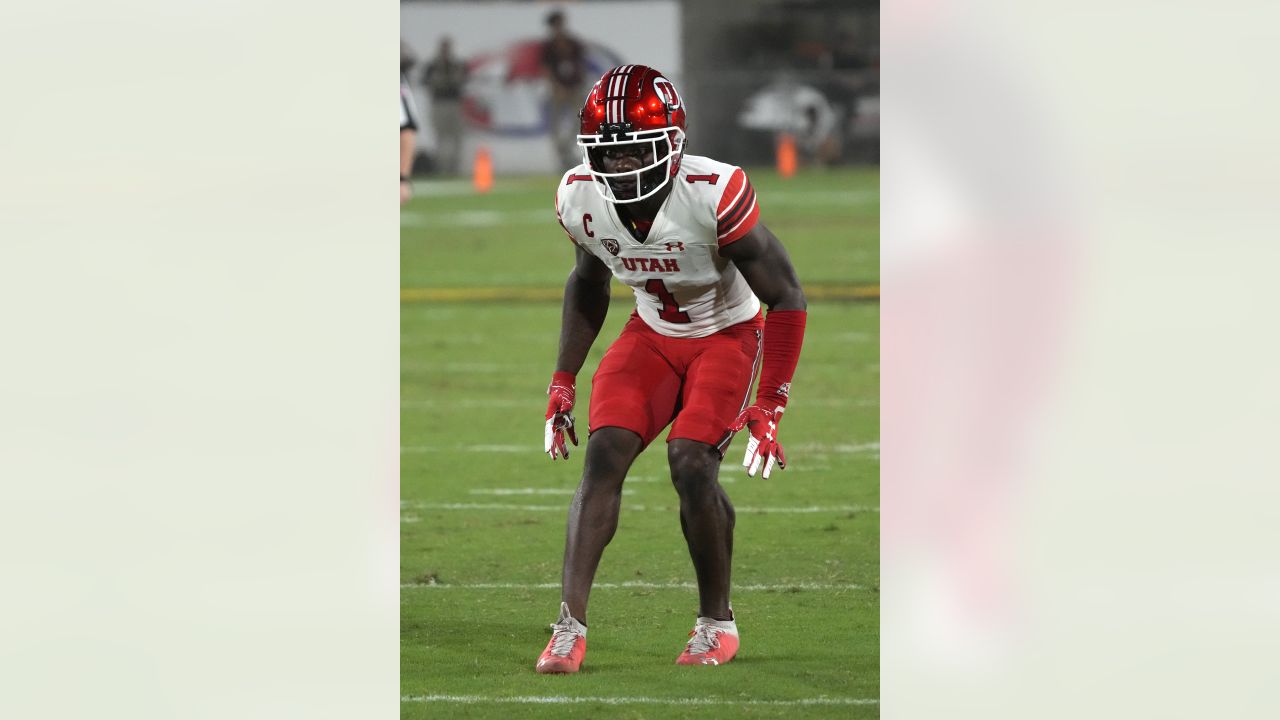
x: 683, y: 287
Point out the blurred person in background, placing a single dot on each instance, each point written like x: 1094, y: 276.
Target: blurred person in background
x: 444, y: 78
x: 565, y: 67
x: 788, y: 107
x: 688, y: 356
x: 408, y: 125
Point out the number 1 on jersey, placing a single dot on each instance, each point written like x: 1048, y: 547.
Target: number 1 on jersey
x: 670, y: 310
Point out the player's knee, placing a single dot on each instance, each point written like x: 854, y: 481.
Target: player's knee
x: 599, y: 485
x: 610, y: 452
x: 694, y: 466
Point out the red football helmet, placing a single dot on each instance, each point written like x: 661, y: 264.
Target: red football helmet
x: 633, y: 104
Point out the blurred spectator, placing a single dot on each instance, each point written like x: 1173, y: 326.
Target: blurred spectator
x: 444, y: 77
x: 408, y: 136
x: 564, y: 65
x: 408, y: 122
x: 803, y: 111
x: 408, y: 58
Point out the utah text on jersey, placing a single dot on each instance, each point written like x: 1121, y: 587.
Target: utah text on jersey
x: 683, y: 287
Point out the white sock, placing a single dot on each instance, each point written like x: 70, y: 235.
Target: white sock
x: 728, y: 626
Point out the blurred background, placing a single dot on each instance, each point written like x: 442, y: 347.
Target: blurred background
x: 749, y: 71
x: 787, y: 89
x: 206, y: 367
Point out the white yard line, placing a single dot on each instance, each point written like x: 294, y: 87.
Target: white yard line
x: 530, y: 491
x: 450, y: 368
x: 830, y: 197
x: 839, y: 448
x: 654, y: 479
x: 418, y: 449
x: 872, y: 448
x: 804, y: 510
x: 631, y: 585
x: 435, y: 187
x: 411, y: 338
x: 514, y: 403
x: 842, y: 402
x: 634, y: 700
x: 477, y: 218
x: 504, y: 403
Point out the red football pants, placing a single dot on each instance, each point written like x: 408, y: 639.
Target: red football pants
x: 646, y: 380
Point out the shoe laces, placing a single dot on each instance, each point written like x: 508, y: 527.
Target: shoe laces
x: 704, y: 639
x: 563, y: 636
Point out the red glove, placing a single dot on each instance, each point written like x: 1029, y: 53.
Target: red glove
x: 783, y: 336
x: 559, y: 420
x: 763, y: 445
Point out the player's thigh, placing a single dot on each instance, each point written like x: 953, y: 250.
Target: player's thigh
x: 634, y: 388
x: 716, y: 387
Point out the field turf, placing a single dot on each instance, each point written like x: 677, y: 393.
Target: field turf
x: 483, y: 510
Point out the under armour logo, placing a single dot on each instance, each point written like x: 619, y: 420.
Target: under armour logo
x: 673, y: 246
x: 785, y: 389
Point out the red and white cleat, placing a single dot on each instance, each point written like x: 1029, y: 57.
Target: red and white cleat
x: 712, y: 642
x: 567, y: 646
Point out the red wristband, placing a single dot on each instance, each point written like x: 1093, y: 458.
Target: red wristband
x: 563, y: 378
x: 783, y: 336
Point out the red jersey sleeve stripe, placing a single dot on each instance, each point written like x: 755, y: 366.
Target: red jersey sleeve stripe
x: 743, y: 226
x: 733, y: 192
x: 738, y: 211
x: 734, y: 220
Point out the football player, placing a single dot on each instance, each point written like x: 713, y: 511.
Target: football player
x: 683, y: 232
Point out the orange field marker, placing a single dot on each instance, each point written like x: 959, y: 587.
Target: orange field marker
x: 482, y: 176
x: 786, y: 155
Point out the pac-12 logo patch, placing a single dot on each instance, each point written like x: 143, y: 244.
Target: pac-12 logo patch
x: 611, y: 245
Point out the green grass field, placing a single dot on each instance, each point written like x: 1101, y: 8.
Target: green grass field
x: 483, y: 510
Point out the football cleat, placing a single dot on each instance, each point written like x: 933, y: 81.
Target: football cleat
x: 712, y: 642
x: 567, y: 646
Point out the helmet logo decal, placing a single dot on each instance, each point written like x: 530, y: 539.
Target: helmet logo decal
x: 667, y: 92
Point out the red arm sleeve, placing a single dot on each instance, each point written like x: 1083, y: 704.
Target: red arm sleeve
x: 737, y: 212
x: 783, y: 336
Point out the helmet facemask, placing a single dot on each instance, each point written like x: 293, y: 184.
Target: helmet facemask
x: 667, y: 145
